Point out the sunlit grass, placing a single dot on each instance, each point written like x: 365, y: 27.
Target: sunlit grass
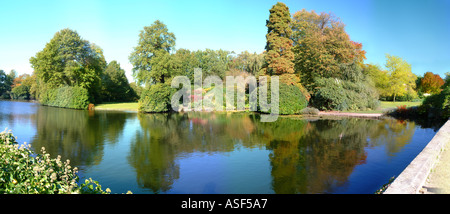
x: 118, y: 106
x: 134, y: 106
x: 388, y: 105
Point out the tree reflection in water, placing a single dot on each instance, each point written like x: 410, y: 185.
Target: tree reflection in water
x: 76, y: 135
x: 306, y: 156
x: 291, y: 155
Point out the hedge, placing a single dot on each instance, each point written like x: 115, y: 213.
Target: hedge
x: 66, y: 97
x: 291, y: 99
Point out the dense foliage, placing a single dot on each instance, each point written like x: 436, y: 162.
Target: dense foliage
x: 151, y: 58
x: 6, y: 81
x: 431, y: 83
x: 115, y: 86
x: 25, y: 172
x: 401, y: 81
x: 69, y: 60
x: 156, y: 98
x: 437, y: 105
x: 66, y: 97
x: 20, y: 92
x: 279, y: 53
x: 330, y: 64
x: 321, y: 45
x: 344, y: 95
x: 292, y: 100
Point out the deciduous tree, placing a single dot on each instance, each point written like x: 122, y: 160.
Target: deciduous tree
x: 401, y: 79
x: 431, y: 83
x: 115, y: 84
x: 69, y: 60
x: 321, y: 46
x: 151, y: 58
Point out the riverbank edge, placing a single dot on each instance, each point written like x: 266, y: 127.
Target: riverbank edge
x: 320, y: 114
x: 413, y: 177
x: 351, y: 114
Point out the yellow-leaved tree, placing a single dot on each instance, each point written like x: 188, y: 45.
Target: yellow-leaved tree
x: 401, y: 78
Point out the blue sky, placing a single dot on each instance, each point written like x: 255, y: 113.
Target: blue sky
x: 417, y: 31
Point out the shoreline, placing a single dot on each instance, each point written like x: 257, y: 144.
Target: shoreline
x: 351, y: 114
x: 320, y: 114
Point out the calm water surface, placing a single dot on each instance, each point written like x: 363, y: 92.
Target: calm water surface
x: 219, y: 152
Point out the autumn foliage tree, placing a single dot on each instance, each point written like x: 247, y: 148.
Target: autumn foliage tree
x: 401, y: 80
x: 330, y: 64
x: 431, y: 83
x: 279, y: 55
x: 321, y: 46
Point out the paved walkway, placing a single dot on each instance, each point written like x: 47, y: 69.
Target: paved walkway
x: 429, y: 172
x: 438, y: 181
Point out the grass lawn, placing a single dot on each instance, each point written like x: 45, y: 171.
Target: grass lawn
x: 118, y: 106
x: 387, y: 105
x: 134, y: 106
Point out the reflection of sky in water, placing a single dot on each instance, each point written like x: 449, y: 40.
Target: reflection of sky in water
x: 380, y: 164
x: 18, y: 118
x: 219, y: 154
x: 202, y: 172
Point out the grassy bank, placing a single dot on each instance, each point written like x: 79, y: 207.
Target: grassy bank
x: 118, y: 106
x: 134, y: 106
x: 384, y: 105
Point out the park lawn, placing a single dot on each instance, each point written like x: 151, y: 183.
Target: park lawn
x: 133, y: 106
x: 388, y: 105
x: 118, y: 106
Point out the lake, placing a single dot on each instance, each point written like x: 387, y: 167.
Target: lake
x: 201, y: 152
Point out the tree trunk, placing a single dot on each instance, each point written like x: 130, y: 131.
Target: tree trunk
x: 394, y: 98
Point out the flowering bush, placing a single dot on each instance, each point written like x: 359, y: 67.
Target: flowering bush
x: 24, y: 172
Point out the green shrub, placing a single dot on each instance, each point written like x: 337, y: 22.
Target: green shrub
x: 291, y: 99
x: 156, y: 98
x: 66, y: 97
x: 335, y: 94
x: 24, y: 172
x: 309, y: 111
x: 20, y: 92
x: 437, y: 104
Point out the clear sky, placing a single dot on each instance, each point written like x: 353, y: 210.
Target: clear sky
x: 417, y: 31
